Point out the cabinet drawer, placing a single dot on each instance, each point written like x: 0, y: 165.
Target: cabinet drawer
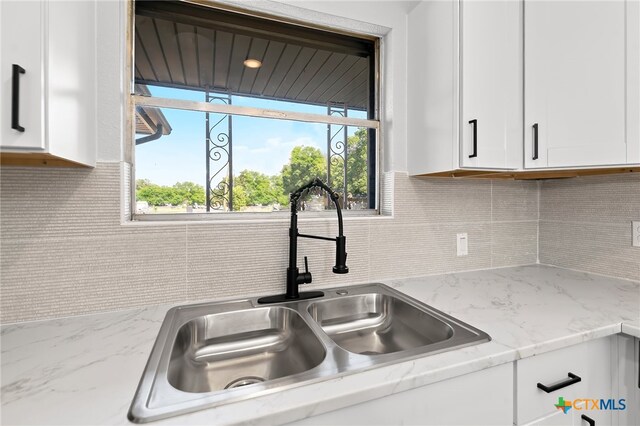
x: 462, y: 400
x: 555, y: 419
x: 589, y: 361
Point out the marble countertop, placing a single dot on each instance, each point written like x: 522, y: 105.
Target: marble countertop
x: 632, y: 328
x: 85, y: 370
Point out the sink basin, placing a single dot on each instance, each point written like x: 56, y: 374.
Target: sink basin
x: 216, y: 353
x: 227, y: 350
x: 374, y: 323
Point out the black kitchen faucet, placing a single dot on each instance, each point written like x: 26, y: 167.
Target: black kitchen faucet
x: 294, y: 277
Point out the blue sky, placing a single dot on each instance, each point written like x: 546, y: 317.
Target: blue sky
x: 258, y: 143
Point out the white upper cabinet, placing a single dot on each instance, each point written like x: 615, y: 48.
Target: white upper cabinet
x: 48, y: 81
x: 476, y: 68
x: 491, y: 86
x: 465, y: 86
x: 22, y: 67
x: 581, y: 83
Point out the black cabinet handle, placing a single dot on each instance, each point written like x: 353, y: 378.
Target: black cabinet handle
x: 475, y: 138
x: 535, y: 141
x: 573, y: 379
x: 588, y: 420
x: 15, y: 98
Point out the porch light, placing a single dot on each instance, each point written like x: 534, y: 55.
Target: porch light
x: 252, y: 63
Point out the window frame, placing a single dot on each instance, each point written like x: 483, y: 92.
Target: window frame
x: 372, y: 125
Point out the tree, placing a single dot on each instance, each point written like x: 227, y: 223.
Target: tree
x: 305, y: 163
x: 190, y: 192
x: 153, y: 194
x: 252, y: 188
x: 357, y: 163
x: 256, y: 186
x: 281, y: 197
x: 177, y: 194
x: 239, y: 198
x: 141, y: 183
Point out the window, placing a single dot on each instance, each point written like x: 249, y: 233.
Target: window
x: 234, y: 111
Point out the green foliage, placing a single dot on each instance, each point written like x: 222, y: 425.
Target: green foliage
x: 180, y: 193
x: 305, y: 163
x: 357, y: 145
x: 252, y: 188
x: 240, y: 200
x: 190, y: 192
x: 141, y: 183
x: 281, y: 196
x: 151, y: 193
x: 257, y: 187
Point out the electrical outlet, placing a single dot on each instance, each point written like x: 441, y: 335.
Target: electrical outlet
x: 462, y: 244
x: 635, y: 233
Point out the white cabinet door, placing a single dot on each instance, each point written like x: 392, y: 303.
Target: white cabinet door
x: 628, y: 383
x: 559, y: 418
x: 584, y: 414
x: 465, y: 63
x: 575, y: 83
x: 589, y: 361
x: 71, y: 80
x: 21, y: 33
x: 481, y: 398
x: 491, y: 86
x: 54, y: 43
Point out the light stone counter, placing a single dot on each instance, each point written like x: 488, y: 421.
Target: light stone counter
x: 84, y: 370
x: 631, y: 328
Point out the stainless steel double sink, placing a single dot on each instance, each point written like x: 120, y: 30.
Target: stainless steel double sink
x: 215, y: 353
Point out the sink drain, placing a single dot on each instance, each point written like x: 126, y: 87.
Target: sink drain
x: 244, y: 381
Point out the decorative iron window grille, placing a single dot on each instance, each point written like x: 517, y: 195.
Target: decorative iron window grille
x: 219, y: 155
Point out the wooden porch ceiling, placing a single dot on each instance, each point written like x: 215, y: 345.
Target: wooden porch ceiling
x: 199, y: 48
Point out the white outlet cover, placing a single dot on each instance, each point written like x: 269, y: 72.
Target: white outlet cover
x: 462, y: 244
x: 635, y: 233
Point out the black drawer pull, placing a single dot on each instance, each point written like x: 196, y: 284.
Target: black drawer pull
x: 15, y: 97
x: 588, y: 420
x: 535, y: 141
x: 475, y: 138
x: 573, y: 379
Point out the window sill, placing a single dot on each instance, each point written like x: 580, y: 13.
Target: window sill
x: 251, y: 218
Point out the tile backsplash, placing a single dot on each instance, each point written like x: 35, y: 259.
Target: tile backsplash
x: 64, y: 250
x: 585, y: 224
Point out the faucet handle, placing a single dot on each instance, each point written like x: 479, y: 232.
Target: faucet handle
x: 305, y: 277
x: 341, y: 256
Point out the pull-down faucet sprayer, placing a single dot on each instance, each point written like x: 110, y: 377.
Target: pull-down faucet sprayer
x: 294, y: 277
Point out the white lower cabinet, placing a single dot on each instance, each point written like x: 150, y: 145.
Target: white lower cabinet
x: 559, y: 371
x: 481, y: 398
x: 558, y: 418
x: 627, y: 385
x: 577, y: 416
x: 607, y: 368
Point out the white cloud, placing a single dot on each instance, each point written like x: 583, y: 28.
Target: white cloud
x: 269, y: 156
